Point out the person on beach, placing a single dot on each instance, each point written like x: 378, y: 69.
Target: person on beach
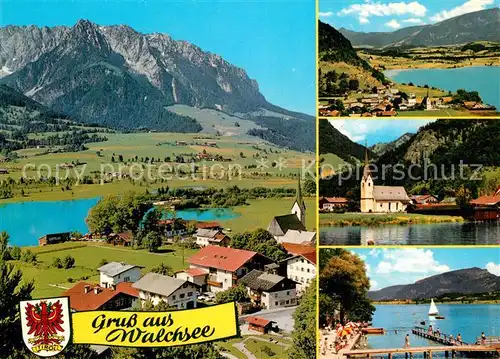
x: 459, y: 338
x: 483, y: 338
x: 452, y: 340
x: 430, y: 329
x: 407, y: 341
x: 325, y: 346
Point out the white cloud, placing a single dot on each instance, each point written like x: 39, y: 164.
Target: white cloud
x: 325, y: 14
x: 393, y: 24
x: 384, y: 9
x: 419, y: 261
x: 493, y: 268
x: 373, y: 285
x: 363, y: 20
x: 413, y: 21
x: 469, y: 6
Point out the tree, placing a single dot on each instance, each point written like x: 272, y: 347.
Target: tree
x: 76, y: 235
x: 304, y: 329
x: 151, y: 219
x: 310, y: 186
x: 343, y: 277
x: 13, y: 289
x: 260, y: 241
x: 152, y: 242
x: 28, y: 256
x: 15, y: 253
x: 235, y: 294
x: 353, y: 85
x: 163, y: 269
x: 4, y: 245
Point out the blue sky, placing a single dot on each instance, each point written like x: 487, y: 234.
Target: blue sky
x: 274, y: 41
x: 391, y: 266
x: 387, y: 15
x: 376, y: 131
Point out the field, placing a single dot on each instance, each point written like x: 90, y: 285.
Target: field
x: 367, y: 219
x: 255, y: 345
x: 87, y: 259
x: 260, y: 164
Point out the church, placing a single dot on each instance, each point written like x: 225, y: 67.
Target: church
x: 296, y: 220
x: 384, y: 199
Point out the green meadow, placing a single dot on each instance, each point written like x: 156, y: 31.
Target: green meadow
x: 369, y: 219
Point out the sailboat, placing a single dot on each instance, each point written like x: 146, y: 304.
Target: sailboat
x: 433, y: 311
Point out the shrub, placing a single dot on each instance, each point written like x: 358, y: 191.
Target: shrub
x: 103, y: 262
x: 57, y: 263
x: 15, y: 253
x: 28, y: 256
x: 70, y: 280
x: 268, y: 351
x: 68, y: 262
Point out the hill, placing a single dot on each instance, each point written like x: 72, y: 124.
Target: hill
x: 464, y: 281
x: 333, y: 141
x: 475, y: 26
x: 381, y: 148
x: 126, y: 80
x: 25, y: 123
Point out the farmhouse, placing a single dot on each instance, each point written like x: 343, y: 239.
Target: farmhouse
x: 4, y: 171
x: 298, y: 237
x: 211, y: 237
x: 269, y: 291
x: 172, y: 228
x: 113, y: 273
x: 123, y: 239
x: 260, y: 325
x: 54, y: 238
x: 225, y: 265
x: 424, y: 199
x: 332, y: 203
x: 174, y: 292
x: 85, y: 296
x: 381, y: 198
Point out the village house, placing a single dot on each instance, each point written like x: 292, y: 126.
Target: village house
x: 384, y: 199
x: 172, y: 228
x: 332, y: 203
x: 123, y: 239
x: 301, y: 268
x: 258, y: 324
x: 54, y: 238
x: 211, y: 237
x: 269, y: 291
x: 487, y: 208
x: 298, y: 237
x: 197, y: 276
x: 85, y: 296
x: 424, y: 199
x: 113, y: 273
x: 4, y: 171
x: 175, y: 292
x: 224, y: 266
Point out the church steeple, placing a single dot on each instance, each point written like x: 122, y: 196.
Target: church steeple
x: 299, y: 206
x: 366, y: 169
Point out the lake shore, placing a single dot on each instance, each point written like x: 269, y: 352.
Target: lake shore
x: 371, y: 220
x: 402, y: 302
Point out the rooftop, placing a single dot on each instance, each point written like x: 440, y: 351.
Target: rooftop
x: 159, y: 284
x: 112, y: 269
x: 390, y: 193
x: 259, y: 322
x: 261, y: 281
x: 80, y: 301
x: 294, y: 248
x: 229, y: 259
x: 298, y: 237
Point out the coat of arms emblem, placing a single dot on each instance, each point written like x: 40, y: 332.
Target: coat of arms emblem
x: 46, y: 325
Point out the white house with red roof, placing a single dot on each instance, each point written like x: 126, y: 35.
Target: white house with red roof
x: 86, y: 296
x: 224, y: 266
x: 302, y: 266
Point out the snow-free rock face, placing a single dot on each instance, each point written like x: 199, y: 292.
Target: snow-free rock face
x: 66, y: 67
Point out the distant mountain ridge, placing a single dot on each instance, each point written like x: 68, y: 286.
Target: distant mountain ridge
x: 464, y: 281
x: 120, y: 78
x: 381, y: 148
x: 481, y: 25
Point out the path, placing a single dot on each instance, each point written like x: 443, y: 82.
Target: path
x: 58, y: 286
x: 241, y: 347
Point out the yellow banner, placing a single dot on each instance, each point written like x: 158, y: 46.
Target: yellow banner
x: 155, y: 329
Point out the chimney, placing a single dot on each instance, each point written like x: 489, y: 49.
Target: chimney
x: 97, y: 290
x: 86, y: 289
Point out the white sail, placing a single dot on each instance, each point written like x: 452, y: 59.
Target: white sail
x: 433, y: 309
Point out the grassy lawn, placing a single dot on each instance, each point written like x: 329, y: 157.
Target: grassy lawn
x: 87, y: 259
x: 228, y: 347
x: 256, y: 347
x: 366, y: 219
x: 259, y: 212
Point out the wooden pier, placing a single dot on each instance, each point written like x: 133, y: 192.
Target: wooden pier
x: 437, y: 337
x: 427, y: 351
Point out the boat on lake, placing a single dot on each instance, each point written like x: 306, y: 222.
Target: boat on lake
x: 433, y: 310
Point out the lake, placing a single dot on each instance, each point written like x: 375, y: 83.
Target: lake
x: 484, y: 79
x: 467, y: 319
x: 27, y: 221
x: 415, y: 234
x: 210, y: 214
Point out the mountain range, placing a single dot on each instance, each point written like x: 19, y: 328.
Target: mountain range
x: 123, y: 79
x: 380, y: 148
x: 463, y: 281
x: 481, y: 25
